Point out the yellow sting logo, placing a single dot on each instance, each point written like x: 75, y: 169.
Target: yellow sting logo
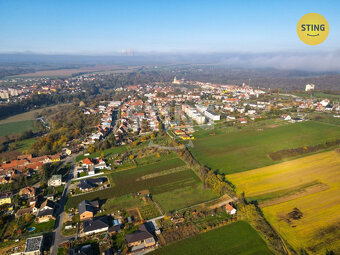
x: 312, y: 28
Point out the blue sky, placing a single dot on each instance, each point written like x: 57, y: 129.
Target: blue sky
x: 105, y: 27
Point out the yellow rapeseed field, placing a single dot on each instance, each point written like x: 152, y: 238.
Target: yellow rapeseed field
x: 310, y: 184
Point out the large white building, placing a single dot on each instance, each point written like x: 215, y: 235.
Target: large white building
x: 194, y: 114
x: 310, y: 87
x: 212, y: 115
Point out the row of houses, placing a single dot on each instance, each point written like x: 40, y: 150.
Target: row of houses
x: 138, y: 116
x: 106, y: 124
x: 24, y: 165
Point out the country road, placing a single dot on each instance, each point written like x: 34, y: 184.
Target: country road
x: 57, y: 232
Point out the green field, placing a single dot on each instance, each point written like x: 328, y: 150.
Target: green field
x: 16, y: 127
x: 237, y: 238
x: 161, y: 177
x: 183, y: 197
x: 237, y: 151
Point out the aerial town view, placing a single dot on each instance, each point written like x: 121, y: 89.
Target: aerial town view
x: 169, y: 127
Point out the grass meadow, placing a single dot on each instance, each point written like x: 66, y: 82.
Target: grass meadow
x: 310, y: 184
x: 237, y: 238
x: 16, y: 127
x: 231, y: 151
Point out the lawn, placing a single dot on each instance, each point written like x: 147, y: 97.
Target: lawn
x: 183, y: 197
x: 42, y: 227
x: 11, y: 128
x: 231, y: 151
x: 237, y: 238
x: 164, y: 176
x: 310, y: 184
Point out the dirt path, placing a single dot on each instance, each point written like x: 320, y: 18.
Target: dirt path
x: 225, y: 199
x: 307, y: 191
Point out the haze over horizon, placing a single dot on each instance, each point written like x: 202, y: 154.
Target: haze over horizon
x: 249, y: 34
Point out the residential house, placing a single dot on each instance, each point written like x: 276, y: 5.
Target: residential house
x: 45, y: 215
x: 229, y: 209
x: 94, y: 226
x: 88, y: 184
x: 140, y: 239
x: 82, y: 250
x: 23, y: 211
x: 242, y: 121
x: 87, y: 209
x: 46, y: 211
x: 87, y: 162
x: 100, y: 164
x: 5, y: 198
x: 286, y: 117
x: 54, y: 158
x: 27, y: 192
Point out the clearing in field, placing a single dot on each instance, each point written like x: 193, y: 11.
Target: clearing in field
x: 300, y: 198
x: 236, y: 238
x: 237, y: 151
x: 165, y: 176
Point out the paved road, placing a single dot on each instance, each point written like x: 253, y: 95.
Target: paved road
x: 58, y: 237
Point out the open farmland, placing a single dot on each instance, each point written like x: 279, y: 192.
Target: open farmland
x: 165, y: 176
x: 237, y: 238
x: 74, y: 71
x: 231, y: 151
x: 300, y: 198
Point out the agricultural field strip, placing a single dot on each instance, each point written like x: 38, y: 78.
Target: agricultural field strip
x: 285, y: 192
x: 319, y: 206
x: 288, y: 175
x: 236, y: 238
x: 223, y: 151
x: 162, y: 173
x: 294, y: 195
x: 125, y: 182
